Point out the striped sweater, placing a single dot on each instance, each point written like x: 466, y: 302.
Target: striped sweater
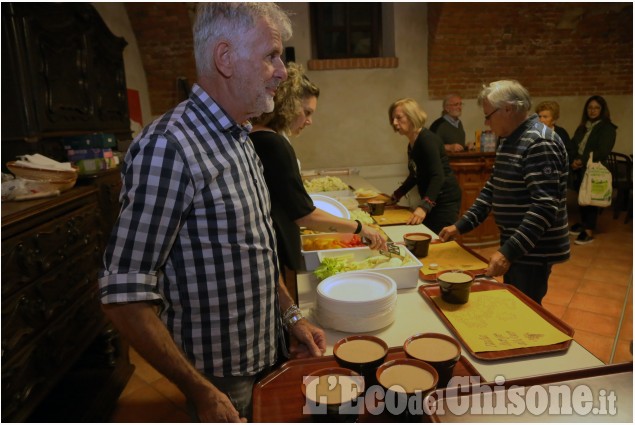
x: 527, y: 192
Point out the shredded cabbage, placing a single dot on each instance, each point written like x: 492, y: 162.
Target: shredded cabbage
x: 325, y: 184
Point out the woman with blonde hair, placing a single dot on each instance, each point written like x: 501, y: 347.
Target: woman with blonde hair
x: 428, y: 166
x: 291, y: 206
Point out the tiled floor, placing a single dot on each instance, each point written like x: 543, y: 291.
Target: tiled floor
x: 592, y: 292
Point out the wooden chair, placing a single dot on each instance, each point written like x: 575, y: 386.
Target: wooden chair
x: 621, y: 167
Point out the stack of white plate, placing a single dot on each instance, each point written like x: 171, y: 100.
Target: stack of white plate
x: 358, y: 301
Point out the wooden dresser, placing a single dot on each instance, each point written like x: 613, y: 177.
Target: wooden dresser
x: 472, y: 170
x: 61, y: 359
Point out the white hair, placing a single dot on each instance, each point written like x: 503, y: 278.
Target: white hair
x: 215, y: 21
x: 506, y: 92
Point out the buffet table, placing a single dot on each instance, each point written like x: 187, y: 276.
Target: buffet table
x: 414, y: 316
x: 277, y: 398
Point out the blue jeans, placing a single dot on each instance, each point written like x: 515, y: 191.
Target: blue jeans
x: 530, y: 279
x: 237, y: 388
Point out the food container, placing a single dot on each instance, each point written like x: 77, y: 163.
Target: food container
x: 405, y: 276
x: 311, y: 258
x: 331, y: 395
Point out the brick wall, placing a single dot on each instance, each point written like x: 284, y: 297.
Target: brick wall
x: 554, y: 49
x: 164, y: 36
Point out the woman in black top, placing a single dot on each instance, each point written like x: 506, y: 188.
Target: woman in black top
x: 428, y: 166
x: 596, y: 133
x: 291, y: 206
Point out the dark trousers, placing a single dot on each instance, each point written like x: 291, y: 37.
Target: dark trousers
x: 445, y: 213
x: 530, y: 279
x: 589, y: 217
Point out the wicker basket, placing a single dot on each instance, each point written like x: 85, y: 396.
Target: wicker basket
x: 53, y: 179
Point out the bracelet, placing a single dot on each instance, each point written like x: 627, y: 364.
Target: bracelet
x: 359, y: 227
x: 291, y: 316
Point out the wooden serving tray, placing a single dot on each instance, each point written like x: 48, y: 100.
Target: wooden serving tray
x: 431, y: 259
x: 392, y: 216
x: 278, y: 396
x: 429, y: 291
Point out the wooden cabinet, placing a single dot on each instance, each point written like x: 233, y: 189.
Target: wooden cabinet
x: 62, y: 72
x: 55, y: 339
x: 472, y: 171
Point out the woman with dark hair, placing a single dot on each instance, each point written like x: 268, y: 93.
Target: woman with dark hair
x: 595, y: 134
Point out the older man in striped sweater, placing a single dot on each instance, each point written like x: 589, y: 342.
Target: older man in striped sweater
x: 526, y: 192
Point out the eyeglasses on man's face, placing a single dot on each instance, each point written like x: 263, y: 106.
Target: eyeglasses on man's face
x: 488, y: 116
x: 455, y: 104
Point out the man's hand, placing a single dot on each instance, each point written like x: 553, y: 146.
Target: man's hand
x: 448, y: 233
x: 417, y: 216
x: 308, y: 340
x: 215, y: 406
x: 498, y: 265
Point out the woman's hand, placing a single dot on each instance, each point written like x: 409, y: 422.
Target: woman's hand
x: 576, y: 164
x: 417, y: 217
x: 374, y: 236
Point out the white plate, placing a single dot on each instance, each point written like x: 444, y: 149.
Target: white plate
x: 357, y: 287
x: 330, y: 205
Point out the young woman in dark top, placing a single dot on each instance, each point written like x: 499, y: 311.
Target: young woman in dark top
x: 596, y: 133
x: 291, y: 206
x: 428, y: 166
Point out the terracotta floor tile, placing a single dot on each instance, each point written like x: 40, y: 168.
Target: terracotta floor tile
x: 133, y: 384
x: 604, y: 275
x: 602, y: 289
x: 591, y: 322
x: 600, y: 305
x: 171, y: 391
x: 555, y: 309
x: 618, y: 265
x: 613, y: 252
x: 623, y: 352
x: 558, y: 296
x: 569, y: 269
x: 146, y: 405
x: 143, y: 369
x: 563, y: 282
x: 598, y: 345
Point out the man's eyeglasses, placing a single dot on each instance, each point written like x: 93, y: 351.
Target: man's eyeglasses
x: 455, y: 104
x: 488, y: 116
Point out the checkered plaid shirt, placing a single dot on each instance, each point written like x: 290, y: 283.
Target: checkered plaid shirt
x: 195, y: 234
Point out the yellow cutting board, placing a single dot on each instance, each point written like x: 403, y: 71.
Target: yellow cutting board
x: 392, y: 216
x: 450, y: 256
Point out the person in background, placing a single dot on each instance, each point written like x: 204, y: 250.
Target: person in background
x: 291, y: 206
x: 527, y: 192
x: 596, y: 133
x: 194, y: 239
x: 548, y: 113
x: 428, y: 166
x: 449, y: 126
